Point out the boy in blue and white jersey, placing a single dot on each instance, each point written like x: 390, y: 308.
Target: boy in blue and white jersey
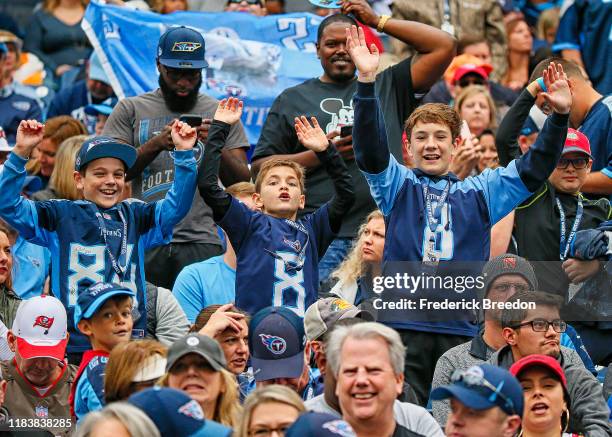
x: 277, y: 255
x: 431, y: 216
x: 100, y: 238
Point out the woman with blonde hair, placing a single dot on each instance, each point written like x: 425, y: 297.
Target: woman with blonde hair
x: 475, y: 105
x: 269, y: 409
x: 61, y: 184
x: 119, y: 419
x: 366, y: 254
x: 54, y: 34
x: 133, y: 366
x: 196, y: 365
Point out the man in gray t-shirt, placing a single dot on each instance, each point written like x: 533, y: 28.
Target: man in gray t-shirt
x: 144, y: 121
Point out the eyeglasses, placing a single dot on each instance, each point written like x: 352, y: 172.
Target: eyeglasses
x: 467, y: 81
x: 506, y: 286
x: 541, y: 325
x: 266, y: 432
x: 473, y: 380
x: 250, y: 2
x: 176, y: 74
x: 578, y: 163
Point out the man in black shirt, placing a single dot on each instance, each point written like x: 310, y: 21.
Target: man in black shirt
x: 329, y: 98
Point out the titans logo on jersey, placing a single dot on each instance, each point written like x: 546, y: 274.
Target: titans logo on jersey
x: 277, y: 258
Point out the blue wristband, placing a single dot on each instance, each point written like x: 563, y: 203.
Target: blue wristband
x: 540, y: 82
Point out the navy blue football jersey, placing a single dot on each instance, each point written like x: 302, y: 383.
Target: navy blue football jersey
x: 597, y: 126
x: 79, y: 250
x: 586, y: 26
x: 277, y: 259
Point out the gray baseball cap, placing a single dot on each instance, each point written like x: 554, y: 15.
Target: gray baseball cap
x: 202, y: 345
x: 321, y: 315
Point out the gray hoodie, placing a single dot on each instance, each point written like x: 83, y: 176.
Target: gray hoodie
x: 588, y: 408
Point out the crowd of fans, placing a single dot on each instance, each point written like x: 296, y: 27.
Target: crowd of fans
x: 158, y: 280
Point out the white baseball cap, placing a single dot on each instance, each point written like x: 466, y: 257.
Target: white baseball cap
x: 40, y: 326
x: 4, y: 145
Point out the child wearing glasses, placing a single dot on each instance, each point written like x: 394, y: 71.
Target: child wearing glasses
x: 277, y: 254
x: 545, y: 224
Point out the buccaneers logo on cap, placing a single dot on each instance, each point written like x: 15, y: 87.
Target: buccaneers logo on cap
x: 274, y: 344
x: 186, y: 46
x: 45, y: 322
x: 510, y: 263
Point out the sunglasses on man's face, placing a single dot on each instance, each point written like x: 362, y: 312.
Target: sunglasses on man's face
x: 577, y: 163
x: 250, y: 2
x: 467, y: 81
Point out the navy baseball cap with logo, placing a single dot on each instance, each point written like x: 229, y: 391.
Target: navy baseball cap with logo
x: 181, y: 47
x: 92, y: 298
x: 105, y: 147
x: 175, y: 414
x: 319, y: 425
x: 276, y: 341
x: 482, y: 387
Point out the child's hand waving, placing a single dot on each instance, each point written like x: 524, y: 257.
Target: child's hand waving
x: 183, y: 135
x: 29, y: 135
x: 229, y: 110
x: 311, y: 137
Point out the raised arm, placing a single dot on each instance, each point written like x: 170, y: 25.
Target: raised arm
x: 313, y: 138
x: 435, y: 48
x: 228, y: 112
x: 177, y: 202
x: 18, y: 211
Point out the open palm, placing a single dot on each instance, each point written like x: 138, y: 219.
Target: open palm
x: 311, y: 137
x: 365, y: 59
x: 558, y: 94
x: 229, y: 110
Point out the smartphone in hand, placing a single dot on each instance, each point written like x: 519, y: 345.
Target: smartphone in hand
x: 192, y: 120
x: 345, y: 131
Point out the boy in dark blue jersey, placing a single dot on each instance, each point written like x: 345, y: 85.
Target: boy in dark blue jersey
x: 277, y: 255
x: 100, y: 238
x: 431, y: 216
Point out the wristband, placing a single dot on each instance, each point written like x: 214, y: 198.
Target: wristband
x: 540, y: 81
x: 381, y: 22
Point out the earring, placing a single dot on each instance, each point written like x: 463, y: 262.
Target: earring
x: 567, y: 419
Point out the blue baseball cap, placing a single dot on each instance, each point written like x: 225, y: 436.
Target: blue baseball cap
x: 276, y: 341
x: 327, y: 4
x: 181, y: 47
x: 105, y: 147
x: 95, y: 71
x: 319, y: 425
x: 104, y: 108
x: 482, y: 387
x: 93, y: 297
x: 530, y: 127
x: 176, y: 414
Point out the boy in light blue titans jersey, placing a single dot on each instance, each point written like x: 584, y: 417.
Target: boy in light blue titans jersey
x: 277, y: 254
x: 431, y: 216
x: 100, y: 238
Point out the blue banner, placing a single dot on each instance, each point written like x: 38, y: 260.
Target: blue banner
x: 253, y: 58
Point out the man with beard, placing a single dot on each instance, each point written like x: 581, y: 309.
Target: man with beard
x: 144, y: 121
x: 329, y: 98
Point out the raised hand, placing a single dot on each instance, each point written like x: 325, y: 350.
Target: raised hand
x: 365, y: 59
x: 29, y: 135
x: 311, y: 137
x: 558, y: 94
x: 222, y: 319
x: 229, y: 110
x: 183, y: 135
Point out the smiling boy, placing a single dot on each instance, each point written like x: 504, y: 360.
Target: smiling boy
x: 431, y: 216
x: 103, y: 313
x: 277, y: 255
x: 100, y: 238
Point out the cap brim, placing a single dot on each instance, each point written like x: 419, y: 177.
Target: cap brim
x: 467, y: 397
x: 575, y: 149
x: 185, y: 64
x: 98, y: 109
x: 290, y: 367
x: 216, y: 366
x: 123, y: 152
x: 328, y: 4
x: 28, y: 350
x: 98, y: 302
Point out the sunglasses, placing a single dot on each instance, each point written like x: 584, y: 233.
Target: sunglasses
x: 472, y: 380
x: 467, y: 81
x: 577, y: 163
x: 250, y: 2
